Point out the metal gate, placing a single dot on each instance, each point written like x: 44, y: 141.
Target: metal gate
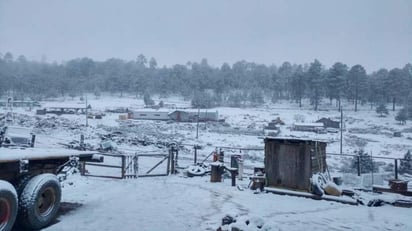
x: 125, y: 166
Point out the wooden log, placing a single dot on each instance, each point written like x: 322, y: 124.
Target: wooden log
x: 216, y: 172
x: 377, y: 188
x: 343, y: 200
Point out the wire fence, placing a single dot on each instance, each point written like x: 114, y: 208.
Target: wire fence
x: 362, y: 164
x: 359, y: 170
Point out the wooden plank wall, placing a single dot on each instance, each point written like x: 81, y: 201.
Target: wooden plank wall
x: 289, y: 163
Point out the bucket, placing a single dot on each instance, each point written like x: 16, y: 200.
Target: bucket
x: 337, y: 180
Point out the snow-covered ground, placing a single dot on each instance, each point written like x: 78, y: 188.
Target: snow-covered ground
x: 180, y: 203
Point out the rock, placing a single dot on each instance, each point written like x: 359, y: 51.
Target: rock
x: 376, y: 203
x: 227, y: 220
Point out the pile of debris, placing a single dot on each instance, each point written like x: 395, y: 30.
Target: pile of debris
x: 55, y: 122
x: 138, y: 135
x: 230, y: 223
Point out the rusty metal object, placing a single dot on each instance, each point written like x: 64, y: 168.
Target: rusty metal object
x: 398, y: 185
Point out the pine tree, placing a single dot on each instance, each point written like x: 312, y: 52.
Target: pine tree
x: 402, y: 116
x: 315, y: 78
x: 356, y: 84
x: 382, y: 110
x: 406, y: 164
x: 335, y: 81
x: 366, y: 162
x: 398, y: 86
x: 298, y: 85
x: 148, y: 100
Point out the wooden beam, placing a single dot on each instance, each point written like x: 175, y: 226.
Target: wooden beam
x: 311, y: 196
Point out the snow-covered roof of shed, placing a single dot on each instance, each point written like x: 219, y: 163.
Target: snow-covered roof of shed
x: 294, y: 139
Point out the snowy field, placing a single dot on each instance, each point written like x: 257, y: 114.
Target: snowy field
x: 178, y: 202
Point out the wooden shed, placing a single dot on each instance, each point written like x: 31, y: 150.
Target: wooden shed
x: 290, y: 163
x: 328, y: 123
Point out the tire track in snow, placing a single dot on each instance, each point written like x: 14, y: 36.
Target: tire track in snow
x: 218, y: 199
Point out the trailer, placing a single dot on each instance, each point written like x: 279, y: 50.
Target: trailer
x: 30, y: 190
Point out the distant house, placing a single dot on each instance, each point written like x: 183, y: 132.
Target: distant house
x: 271, y: 131
x: 308, y: 127
x: 277, y: 121
x: 62, y: 110
x: 273, y: 128
x: 177, y: 115
x: 20, y: 103
x: 149, y: 115
x: 328, y: 123
x: 191, y: 116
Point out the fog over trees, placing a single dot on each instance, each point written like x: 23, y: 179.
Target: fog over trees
x: 241, y: 84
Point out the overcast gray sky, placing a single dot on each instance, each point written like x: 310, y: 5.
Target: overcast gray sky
x: 374, y: 33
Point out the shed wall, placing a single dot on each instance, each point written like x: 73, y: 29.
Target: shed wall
x: 290, y: 164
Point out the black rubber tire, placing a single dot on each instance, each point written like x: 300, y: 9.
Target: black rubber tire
x: 39, y: 201
x: 8, y: 206
x: 21, y: 183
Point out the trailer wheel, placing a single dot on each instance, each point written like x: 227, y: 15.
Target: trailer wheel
x: 39, y: 201
x: 8, y: 206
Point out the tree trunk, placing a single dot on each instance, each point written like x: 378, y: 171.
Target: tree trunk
x: 340, y: 106
x: 356, y: 105
x: 356, y: 100
x: 393, y: 103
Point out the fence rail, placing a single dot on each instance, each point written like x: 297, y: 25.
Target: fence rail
x: 121, y: 167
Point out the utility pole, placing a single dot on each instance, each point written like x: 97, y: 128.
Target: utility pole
x: 87, y: 122
x: 197, y: 126
x: 341, y: 129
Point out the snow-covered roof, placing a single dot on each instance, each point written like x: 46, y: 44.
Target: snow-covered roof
x: 309, y: 124
x: 295, y: 138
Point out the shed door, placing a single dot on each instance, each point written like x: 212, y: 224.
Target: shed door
x: 292, y: 167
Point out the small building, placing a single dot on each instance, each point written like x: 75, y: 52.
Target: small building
x: 149, y: 115
x: 19, y: 103
x: 290, y: 163
x: 277, y: 121
x: 308, y: 127
x: 397, y: 134
x: 62, y: 110
x: 117, y: 110
x: 328, y: 123
x: 272, y: 129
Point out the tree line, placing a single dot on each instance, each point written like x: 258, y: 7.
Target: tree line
x: 241, y: 84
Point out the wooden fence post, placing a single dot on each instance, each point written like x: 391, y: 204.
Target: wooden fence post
x: 396, y: 169
x: 168, y: 165
x: 172, y: 161
x: 195, y: 161
x: 136, y: 165
x: 123, y: 166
